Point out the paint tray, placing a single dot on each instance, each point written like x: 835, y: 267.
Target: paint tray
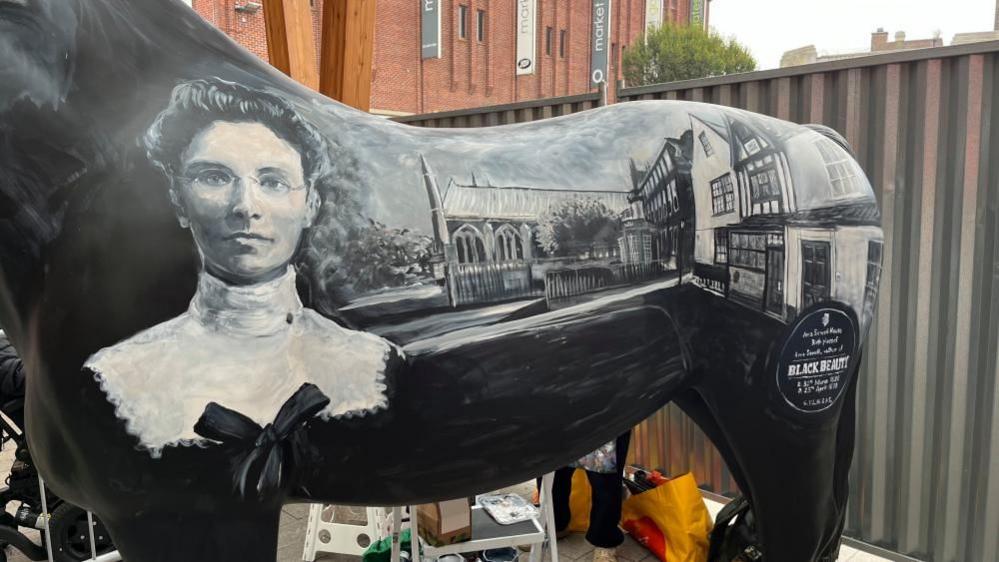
x: 507, y: 509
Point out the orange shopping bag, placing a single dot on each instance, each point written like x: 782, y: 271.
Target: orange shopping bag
x: 671, y: 520
x: 580, y: 500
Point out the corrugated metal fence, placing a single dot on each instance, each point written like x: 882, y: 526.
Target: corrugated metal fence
x: 505, y: 114
x: 924, y: 126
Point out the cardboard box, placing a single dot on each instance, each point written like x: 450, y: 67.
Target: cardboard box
x: 446, y: 522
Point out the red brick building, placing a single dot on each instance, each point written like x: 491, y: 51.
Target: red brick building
x: 477, y: 66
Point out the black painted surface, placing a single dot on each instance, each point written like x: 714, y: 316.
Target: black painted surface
x: 478, y: 396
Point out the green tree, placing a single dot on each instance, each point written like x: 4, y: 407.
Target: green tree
x: 574, y: 227
x: 681, y: 52
x: 381, y: 257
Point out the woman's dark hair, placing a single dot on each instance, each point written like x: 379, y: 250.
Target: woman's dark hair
x: 196, y: 104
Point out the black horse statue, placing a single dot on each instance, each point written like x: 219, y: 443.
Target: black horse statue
x: 231, y: 293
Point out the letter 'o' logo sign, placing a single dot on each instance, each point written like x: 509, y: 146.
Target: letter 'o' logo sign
x: 524, y: 63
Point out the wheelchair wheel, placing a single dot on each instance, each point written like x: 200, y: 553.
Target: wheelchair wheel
x: 71, y: 537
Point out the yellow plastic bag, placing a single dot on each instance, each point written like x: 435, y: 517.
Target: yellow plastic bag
x: 671, y: 520
x: 579, y: 502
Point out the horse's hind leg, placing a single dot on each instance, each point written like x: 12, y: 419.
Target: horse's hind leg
x: 794, y: 475
x: 694, y: 406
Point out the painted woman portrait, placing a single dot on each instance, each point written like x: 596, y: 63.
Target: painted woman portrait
x: 244, y: 169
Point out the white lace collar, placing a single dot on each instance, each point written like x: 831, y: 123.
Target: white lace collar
x: 251, y: 310
x: 246, y: 348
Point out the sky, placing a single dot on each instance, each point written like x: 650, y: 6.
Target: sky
x: 770, y: 27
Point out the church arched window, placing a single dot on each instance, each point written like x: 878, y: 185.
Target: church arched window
x: 508, y: 244
x: 469, y: 245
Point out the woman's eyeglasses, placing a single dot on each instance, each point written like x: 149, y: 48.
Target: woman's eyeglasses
x: 222, y: 181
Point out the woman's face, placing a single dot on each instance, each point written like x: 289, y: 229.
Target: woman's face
x: 242, y: 191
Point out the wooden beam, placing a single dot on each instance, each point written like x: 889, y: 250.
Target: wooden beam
x: 290, y: 42
x: 348, y: 32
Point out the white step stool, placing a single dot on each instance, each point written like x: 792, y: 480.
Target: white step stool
x: 323, y: 535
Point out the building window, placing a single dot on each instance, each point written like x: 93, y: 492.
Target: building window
x: 508, y: 245
x: 561, y: 44
x: 721, y: 246
x: 549, y: 36
x: 815, y: 272
x: 709, y: 151
x: 764, y: 186
x: 748, y: 250
x: 469, y: 245
x: 672, y: 202
x: 722, y: 195
x: 664, y: 164
x: 842, y: 177
x: 462, y: 21
x: 480, y: 26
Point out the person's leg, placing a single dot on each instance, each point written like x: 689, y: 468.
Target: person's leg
x: 561, y: 488
x: 605, y: 511
x: 622, y: 444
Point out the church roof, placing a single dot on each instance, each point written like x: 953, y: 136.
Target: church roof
x: 519, y: 203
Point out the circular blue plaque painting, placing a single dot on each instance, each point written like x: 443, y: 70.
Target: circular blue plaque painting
x: 814, y: 365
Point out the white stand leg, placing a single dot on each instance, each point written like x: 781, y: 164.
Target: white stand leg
x: 312, y: 532
x: 547, y: 521
x: 93, y: 543
x: 414, y: 535
x: 396, y: 533
x: 546, y: 499
x: 45, y: 514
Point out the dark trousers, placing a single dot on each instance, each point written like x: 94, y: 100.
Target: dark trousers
x: 605, y: 510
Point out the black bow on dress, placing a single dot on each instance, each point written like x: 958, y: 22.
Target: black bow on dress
x: 278, y: 443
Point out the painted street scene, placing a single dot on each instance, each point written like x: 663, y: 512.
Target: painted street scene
x: 715, y: 208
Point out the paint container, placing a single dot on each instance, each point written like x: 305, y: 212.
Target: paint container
x: 450, y: 558
x: 506, y: 554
